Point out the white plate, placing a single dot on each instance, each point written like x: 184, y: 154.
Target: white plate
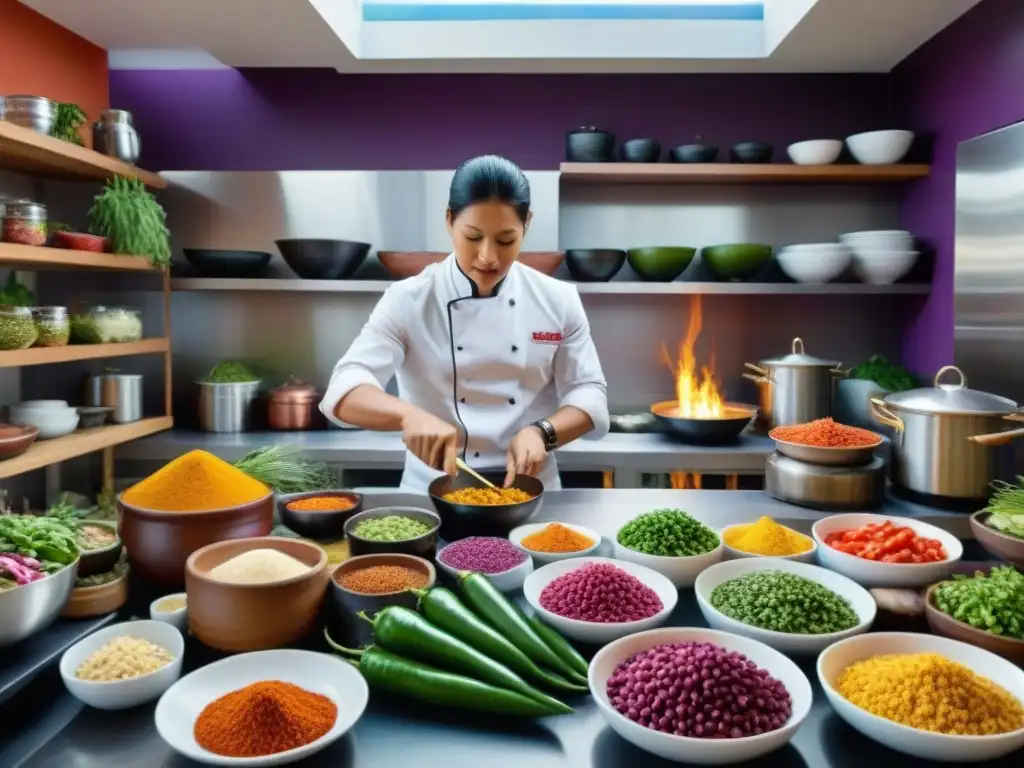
x: 122, y: 694
x: 869, y: 573
x: 590, y: 631
x: 516, y: 536
x: 690, y: 750
x: 731, y: 553
x: 177, y: 710
x: 859, y: 598
x: 506, y: 581
x: 911, y: 741
x: 681, y: 571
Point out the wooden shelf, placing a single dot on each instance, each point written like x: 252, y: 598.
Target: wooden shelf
x: 32, y: 257
x: 25, y: 151
x: 46, y: 452
x: 46, y: 355
x: 733, y: 173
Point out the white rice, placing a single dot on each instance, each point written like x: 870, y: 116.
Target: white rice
x: 258, y: 566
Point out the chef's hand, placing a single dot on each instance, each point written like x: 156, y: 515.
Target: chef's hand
x: 431, y: 440
x: 526, y: 454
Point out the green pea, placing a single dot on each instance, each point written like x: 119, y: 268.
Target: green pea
x: 992, y: 603
x: 390, y: 528
x: 668, y: 533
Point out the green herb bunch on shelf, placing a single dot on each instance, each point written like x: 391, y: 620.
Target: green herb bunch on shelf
x: 128, y: 215
x: 16, y: 293
x: 67, y: 122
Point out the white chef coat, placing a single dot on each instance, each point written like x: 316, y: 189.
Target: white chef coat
x: 488, y: 365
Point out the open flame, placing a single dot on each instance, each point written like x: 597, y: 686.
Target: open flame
x: 697, y: 396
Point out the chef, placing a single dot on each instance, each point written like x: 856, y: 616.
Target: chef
x: 494, y: 361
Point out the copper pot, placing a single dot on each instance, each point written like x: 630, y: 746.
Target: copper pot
x: 292, y: 406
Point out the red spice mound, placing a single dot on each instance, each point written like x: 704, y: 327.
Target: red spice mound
x: 825, y: 433
x: 602, y: 593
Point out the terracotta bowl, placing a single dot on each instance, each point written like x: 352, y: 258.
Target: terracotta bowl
x: 402, y: 264
x: 943, y: 624
x: 86, y: 602
x: 254, y: 617
x: 318, y: 525
x: 15, y: 440
x: 159, y: 543
x: 999, y: 544
x: 543, y: 261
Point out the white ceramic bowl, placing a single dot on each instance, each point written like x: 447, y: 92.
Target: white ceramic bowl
x: 177, y: 618
x: 858, y: 597
x: 731, y: 553
x: 506, y: 581
x: 880, y: 147
x: 893, y: 239
x: 869, y: 573
x: 516, y: 536
x: 923, y: 744
x: 122, y: 694
x: 815, y: 151
x: 681, y: 571
x: 321, y: 673
x: 593, y: 632
x: 47, y: 404
x: 883, y: 267
x: 700, y: 751
x: 814, y: 266
x: 50, y: 422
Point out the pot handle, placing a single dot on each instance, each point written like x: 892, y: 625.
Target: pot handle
x: 881, y: 413
x: 756, y: 378
x: 994, y: 439
x: 949, y: 387
x: 840, y: 372
x: 756, y: 369
x: 798, y: 346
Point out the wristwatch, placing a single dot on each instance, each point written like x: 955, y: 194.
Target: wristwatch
x: 547, y: 431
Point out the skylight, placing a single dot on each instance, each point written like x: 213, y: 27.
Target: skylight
x: 560, y: 10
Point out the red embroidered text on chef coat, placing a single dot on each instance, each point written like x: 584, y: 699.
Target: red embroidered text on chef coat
x: 546, y: 337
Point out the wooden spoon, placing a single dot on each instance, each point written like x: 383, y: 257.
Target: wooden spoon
x: 473, y: 473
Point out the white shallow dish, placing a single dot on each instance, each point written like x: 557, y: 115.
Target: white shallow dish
x: 815, y: 151
x: 911, y: 741
x: 731, y: 553
x: 321, y: 673
x: 122, y: 694
x: 869, y: 573
x: 594, y: 632
x: 516, y: 536
x: 683, y: 749
x: 880, y: 147
x: 506, y: 581
x: 681, y: 571
x: 178, y: 618
x: 859, y: 598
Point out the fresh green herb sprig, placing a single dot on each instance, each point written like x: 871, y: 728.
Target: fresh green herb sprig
x: 16, y: 293
x: 282, y: 468
x: 1006, y: 508
x: 67, y: 122
x: 50, y: 540
x: 993, y: 603
x: 230, y: 372
x: 888, y: 375
x: 128, y: 215
x: 668, y: 533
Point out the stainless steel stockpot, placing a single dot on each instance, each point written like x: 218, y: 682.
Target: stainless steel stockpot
x: 795, y: 388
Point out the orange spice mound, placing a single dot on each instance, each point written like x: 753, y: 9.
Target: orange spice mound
x: 825, y: 433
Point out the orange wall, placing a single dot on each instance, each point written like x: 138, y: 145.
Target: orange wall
x: 41, y: 58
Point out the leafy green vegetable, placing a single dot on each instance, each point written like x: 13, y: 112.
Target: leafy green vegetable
x: 282, y: 468
x: 1006, y: 508
x: 50, y: 540
x: 66, y: 124
x: 128, y: 215
x: 230, y: 372
x: 993, y: 603
x: 888, y: 375
x: 16, y: 293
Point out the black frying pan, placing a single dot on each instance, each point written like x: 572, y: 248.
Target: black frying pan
x: 704, y: 431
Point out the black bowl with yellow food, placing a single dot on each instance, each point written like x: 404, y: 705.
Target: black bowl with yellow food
x: 99, y: 546
x: 462, y: 517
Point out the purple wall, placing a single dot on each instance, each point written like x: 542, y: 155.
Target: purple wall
x: 965, y: 81
x: 267, y: 119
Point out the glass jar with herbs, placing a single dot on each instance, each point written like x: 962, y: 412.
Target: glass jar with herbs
x: 24, y: 222
x: 17, y: 329
x: 106, y: 325
x: 52, y: 325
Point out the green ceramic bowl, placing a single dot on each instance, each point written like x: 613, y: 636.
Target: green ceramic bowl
x: 735, y: 262
x: 662, y: 264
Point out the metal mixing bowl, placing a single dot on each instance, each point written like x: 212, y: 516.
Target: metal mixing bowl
x: 28, y: 609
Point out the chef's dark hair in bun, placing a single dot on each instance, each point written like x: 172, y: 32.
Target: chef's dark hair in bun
x: 489, y: 178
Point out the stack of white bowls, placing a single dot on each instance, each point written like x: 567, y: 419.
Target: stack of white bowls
x: 814, y: 262
x: 881, y: 257
x: 53, y: 418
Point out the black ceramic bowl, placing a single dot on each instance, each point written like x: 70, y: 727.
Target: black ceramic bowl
x: 589, y: 145
x: 323, y: 259
x: 214, y: 262
x: 93, y: 561
x: 594, y: 265
x: 461, y: 520
x: 640, y: 151
x: 318, y: 524
x: 751, y: 152
x: 424, y: 546
x: 693, y: 153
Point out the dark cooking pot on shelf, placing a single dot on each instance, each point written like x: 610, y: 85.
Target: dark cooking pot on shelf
x: 589, y: 145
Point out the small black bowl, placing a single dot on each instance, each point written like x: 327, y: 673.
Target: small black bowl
x: 751, y: 152
x: 594, y: 265
x: 424, y: 546
x: 323, y: 259
x: 93, y: 561
x: 215, y: 262
x: 640, y: 151
x: 461, y: 520
x: 319, y: 525
x: 693, y: 153
x: 589, y: 145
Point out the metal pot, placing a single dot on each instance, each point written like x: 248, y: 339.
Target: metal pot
x: 293, y: 406
x: 227, y: 407
x: 795, y: 388
x: 114, y: 135
x: 120, y: 391
x: 946, y: 436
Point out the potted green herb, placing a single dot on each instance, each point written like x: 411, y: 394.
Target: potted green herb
x: 227, y: 396
x: 875, y: 377
x: 128, y: 215
x: 68, y: 120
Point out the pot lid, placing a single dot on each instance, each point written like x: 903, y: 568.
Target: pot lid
x: 797, y: 358
x: 951, y: 398
x: 295, y: 390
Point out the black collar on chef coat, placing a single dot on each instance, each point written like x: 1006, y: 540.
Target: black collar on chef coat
x: 474, y: 288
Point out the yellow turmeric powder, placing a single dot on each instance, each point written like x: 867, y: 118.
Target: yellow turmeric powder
x: 195, y: 482
x: 767, y: 537
x: 932, y: 693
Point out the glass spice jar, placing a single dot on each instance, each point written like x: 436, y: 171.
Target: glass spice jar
x: 53, y: 326
x: 17, y: 330
x: 25, y: 223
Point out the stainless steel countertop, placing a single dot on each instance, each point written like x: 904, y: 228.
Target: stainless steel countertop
x: 52, y: 729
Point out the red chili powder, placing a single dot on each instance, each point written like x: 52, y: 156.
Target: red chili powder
x: 825, y: 433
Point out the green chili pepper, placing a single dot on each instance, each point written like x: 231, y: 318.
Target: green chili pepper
x: 443, y: 608
x: 405, y: 632
x: 559, y: 645
x: 396, y: 674
x: 492, y: 606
